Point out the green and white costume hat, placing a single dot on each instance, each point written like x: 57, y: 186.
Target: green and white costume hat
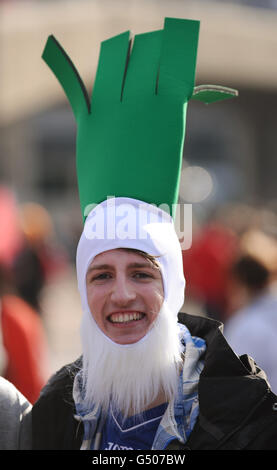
x: 130, y: 137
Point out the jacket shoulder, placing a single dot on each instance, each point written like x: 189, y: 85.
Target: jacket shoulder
x: 200, y: 325
x: 53, y: 420
x: 62, y: 380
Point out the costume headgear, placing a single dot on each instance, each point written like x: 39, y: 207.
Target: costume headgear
x: 131, y: 132
x: 130, y: 138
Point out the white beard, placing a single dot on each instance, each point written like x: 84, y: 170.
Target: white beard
x: 131, y: 376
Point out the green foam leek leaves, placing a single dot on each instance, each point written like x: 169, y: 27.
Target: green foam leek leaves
x: 130, y: 133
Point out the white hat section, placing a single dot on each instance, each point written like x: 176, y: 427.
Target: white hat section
x: 129, y: 223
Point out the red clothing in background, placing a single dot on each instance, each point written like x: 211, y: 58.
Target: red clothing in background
x: 207, y: 263
x: 25, y: 345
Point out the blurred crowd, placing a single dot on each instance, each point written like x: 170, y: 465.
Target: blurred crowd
x: 231, y: 271
x: 29, y: 259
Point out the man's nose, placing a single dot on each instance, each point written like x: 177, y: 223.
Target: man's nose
x: 122, y: 292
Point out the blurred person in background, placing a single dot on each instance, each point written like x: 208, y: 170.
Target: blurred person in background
x: 38, y: 261
x: 216, y: 246
x: 251, y: 326
x: 24, y: 345
x: 15, y: 418
x: 11, y: 234
x: 206, y: 266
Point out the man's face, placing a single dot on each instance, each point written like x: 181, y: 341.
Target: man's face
x: 125, y: 294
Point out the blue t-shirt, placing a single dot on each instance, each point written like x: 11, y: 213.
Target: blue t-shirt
x: 136, y: 432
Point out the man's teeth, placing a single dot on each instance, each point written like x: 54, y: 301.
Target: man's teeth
x: 125, y: 317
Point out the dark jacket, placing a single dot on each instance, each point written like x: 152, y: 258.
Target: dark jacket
x: 237, y: 409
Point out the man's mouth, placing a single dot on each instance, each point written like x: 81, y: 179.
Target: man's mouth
x: 125, y: 317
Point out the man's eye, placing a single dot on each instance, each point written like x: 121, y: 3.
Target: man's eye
x: 142, y: 275
x: 101, y: 277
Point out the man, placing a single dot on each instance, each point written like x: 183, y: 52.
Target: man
x: 143, y: 375
x: 145, y: 380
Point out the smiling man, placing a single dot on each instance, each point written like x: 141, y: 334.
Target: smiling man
x: 145, y: 379
x: 149, y: 376
x: 130, y: 371
x: 132, y: 344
